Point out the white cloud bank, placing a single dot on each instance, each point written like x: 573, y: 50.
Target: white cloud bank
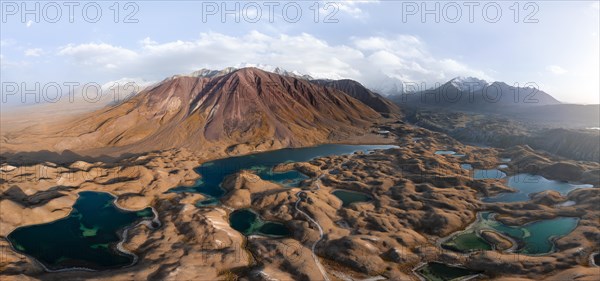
x: 555, y: 69
x: 402, y: 57
x: 34, y: 52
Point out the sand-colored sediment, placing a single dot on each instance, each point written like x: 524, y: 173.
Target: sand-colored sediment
x: 418, y: 197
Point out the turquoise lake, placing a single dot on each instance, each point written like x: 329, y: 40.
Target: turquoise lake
x: 532, y: 238
x: 526, y: 184
x: 212, y: 173
x: 85, y: 238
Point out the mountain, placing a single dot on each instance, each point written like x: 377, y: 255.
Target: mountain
x: 468, y: 84
x: 350, y: 87
x: 560, y: 115
x: 210, y: 73
x: 472, y: 94
x: 387, y: 86
x: 69, y: 104
x: 276, y: 70
x: 246, y: 109
x: 359, y: 92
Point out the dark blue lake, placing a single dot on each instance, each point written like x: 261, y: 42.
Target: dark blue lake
x: 212, y: 173
x: 349, y: 197
x: 248, y: 223
x: 85, y: 238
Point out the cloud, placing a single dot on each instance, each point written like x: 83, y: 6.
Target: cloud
x: 147, y: 41
x: 405, y: 57
x: 29, y: 23
x: 555, y: 69
x: 352, y: 7
x: 7, y: 42
x: 98, y: 54
x: 8, y: 64
x: 34, y: 52
x: 216, y: 50
x: 366, y: 59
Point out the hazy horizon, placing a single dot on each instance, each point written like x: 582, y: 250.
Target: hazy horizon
x: 552, y: 44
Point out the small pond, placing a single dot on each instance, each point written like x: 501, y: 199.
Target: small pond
x: 248, y: 223
x: 349, y: 197
x: 595, y: 259
x: 488, y: 174
x: 436, y: 271
x: 466, y: 166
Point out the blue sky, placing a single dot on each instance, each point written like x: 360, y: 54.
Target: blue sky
x: 370, y: 42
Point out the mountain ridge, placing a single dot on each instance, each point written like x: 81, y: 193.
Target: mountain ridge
x: 360, y: 92
x: 248, y: 107
x: 476, y: 95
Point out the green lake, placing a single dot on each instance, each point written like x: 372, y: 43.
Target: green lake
x: 436, y: 271
x: 86, y: 238
x: 533, y: 238
x: 349, y: 197
x: 249, y: 223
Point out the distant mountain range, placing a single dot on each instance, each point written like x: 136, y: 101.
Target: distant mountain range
x: 257, y: 109
x: 360, y: 92
x: 458, y: 93
x: 472, y: 94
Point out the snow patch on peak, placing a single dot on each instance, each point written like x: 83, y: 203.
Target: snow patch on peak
x: 209, y: 73
x: 387, y: 86
x: 265, y: 67
x: 466, y: 84
x: 276, y: 70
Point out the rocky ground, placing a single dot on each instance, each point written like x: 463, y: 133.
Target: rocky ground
x: 418, y: 198
x: 501, y: 131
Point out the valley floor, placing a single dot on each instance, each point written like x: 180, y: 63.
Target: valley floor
x: 417, y: 199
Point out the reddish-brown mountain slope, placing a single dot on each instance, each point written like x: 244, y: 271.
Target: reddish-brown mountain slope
x: 249, y: 106
x: 360, y: 92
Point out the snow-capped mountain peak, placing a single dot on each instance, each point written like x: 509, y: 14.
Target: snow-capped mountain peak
x: 276, y: 69
x: 386, y: 86
x: 209, y: 73
x: 467, y: 84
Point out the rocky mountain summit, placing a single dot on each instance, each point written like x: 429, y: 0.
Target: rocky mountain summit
x: 248, y: 107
